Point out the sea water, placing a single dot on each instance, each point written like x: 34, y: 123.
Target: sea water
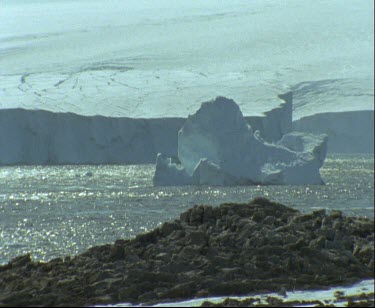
x: 55, y: 211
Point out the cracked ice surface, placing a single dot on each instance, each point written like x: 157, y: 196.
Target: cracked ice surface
x: 156, y: 59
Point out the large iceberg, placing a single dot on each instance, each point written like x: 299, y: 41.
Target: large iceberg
x: 216, y: 146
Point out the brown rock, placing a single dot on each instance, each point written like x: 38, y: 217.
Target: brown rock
x: 229, y: 249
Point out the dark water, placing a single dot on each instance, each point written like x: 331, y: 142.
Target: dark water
x: 59, y: 210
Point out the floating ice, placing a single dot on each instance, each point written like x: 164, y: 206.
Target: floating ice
x: 216, y: 146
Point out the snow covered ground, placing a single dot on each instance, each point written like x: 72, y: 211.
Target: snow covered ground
x: 141, y: 58
x: 328, y: 296
x: 157, y: 59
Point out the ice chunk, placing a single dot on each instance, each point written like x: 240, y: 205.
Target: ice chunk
x: 213, y: 132
x: 216, y: 146
x: 208, y: 173
x: 306, y: 143
x: 168, y: 173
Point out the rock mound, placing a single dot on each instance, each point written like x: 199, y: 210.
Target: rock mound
x: 225, y: 250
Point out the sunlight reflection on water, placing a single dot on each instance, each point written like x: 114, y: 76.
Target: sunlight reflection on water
x: 59, y: 210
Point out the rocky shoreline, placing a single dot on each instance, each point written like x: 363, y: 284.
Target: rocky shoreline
x: 361, y: 300
x: 232, y: 249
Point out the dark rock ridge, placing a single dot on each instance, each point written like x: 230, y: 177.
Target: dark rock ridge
x: 232, y: 249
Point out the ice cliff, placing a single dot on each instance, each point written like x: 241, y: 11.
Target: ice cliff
x: 348, y: 131
x: 48, y: 138
x: 42, y: 137
x: 216, y: 146
x: 342, y: 108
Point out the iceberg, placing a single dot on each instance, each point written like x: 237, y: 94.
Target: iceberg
x: 169, y: 173
x: 216, y: 146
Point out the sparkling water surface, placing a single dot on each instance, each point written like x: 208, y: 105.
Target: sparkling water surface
x: 56, y: 211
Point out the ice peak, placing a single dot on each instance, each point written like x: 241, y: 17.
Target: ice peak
x: 216, y: 146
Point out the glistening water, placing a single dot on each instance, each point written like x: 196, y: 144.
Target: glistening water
x: 56, y: 211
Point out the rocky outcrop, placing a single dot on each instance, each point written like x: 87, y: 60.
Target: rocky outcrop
x: 225, y: 250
